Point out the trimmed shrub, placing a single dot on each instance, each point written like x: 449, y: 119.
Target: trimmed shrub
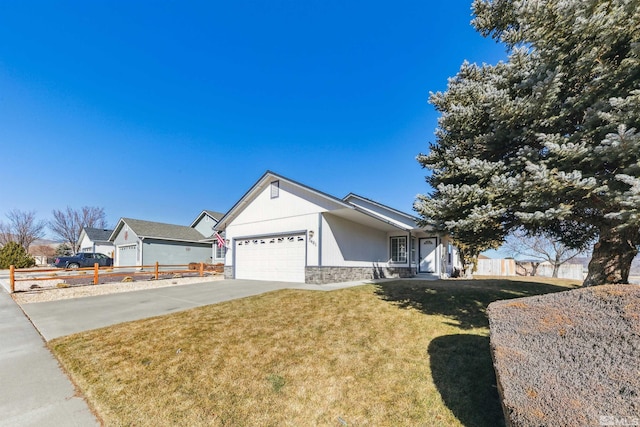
x: 14, y: 254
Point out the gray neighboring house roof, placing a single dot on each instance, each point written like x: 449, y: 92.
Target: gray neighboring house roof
x: 213, y: 214
x: 96, y: 235
x: 158, y: 230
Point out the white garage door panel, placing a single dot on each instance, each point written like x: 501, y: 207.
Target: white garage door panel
x: 127, y: 255
x: 271, y: 258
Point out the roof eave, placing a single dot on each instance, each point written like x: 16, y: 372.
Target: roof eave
x: 399, y: 212
x: 381, y: 219
x: 116, y: 230
x: 259, y: 185
x: 171, y: 239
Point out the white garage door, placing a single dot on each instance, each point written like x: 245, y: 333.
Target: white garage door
x: 127, y: 255
x: 279, y: 258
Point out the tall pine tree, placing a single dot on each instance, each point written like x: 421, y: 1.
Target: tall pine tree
x: 547, y: 140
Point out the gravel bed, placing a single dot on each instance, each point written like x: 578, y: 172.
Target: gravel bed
x: 49, y: 290
x: 569, y: 358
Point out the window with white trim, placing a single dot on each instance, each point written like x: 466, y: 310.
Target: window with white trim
x: 219, y: 251
x: 399, y: 249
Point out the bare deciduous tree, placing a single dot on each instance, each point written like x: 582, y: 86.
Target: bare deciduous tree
x: 541, y: 247
x: 68, y: 224
x: 22, y: 228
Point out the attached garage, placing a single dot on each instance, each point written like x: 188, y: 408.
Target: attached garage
x: 279, y: 257
x: 127, y: 255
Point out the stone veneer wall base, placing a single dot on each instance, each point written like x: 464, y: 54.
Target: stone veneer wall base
x: 324, y: 275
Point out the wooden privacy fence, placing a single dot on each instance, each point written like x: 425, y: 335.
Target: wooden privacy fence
x: 495, y: 267
x: 39, y: 274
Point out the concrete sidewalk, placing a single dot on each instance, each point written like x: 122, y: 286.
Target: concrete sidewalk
x: 35, y: 391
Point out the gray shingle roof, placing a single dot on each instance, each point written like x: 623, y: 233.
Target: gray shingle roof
x: 98, y: 234
x: 215, y: 215
x: 159, y: 230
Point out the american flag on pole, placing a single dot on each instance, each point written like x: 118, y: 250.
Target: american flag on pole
x: 220, y: 240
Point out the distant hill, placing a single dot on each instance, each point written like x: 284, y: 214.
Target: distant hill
x: 45, y: 242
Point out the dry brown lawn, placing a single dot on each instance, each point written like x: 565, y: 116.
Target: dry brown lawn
x: 398, y: 354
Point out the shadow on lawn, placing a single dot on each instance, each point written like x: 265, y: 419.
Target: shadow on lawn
x: 463, y: 301
x: 461, y: 365
x: 462, y: 371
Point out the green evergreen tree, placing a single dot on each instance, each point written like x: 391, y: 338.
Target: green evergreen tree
x: 547, y: 140
x: 64, y: 249
x: 14, y: 254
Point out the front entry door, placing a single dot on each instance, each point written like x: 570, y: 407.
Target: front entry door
x: 427, y: 255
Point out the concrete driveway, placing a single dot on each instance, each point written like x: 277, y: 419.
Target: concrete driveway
x: 35, y: 391
x: 64, y: 317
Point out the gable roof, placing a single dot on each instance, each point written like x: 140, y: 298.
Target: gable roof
x: 97, y: 234
x: 265, y: 180
x: 213, y: 214
x: 158, y: 230
x: 345, y: 209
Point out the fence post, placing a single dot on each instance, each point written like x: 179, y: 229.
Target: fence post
x: 201, y: 269
x: 96, y: 267
x: 12, y: 277
x: 157, y: 267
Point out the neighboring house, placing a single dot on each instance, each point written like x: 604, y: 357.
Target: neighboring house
x: 96, y: 240
x: 283, y: 230
x: 139, y: 243
x: 205, y: 224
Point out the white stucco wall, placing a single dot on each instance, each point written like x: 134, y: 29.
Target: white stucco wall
x: 291, y: 202
x: 86, y: 245
x: 349, y: 244
x: 294, y: 209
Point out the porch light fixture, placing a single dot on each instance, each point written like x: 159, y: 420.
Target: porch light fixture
x: 311, y: 234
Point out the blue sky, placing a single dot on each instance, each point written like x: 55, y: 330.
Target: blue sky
x: 158, y: 110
